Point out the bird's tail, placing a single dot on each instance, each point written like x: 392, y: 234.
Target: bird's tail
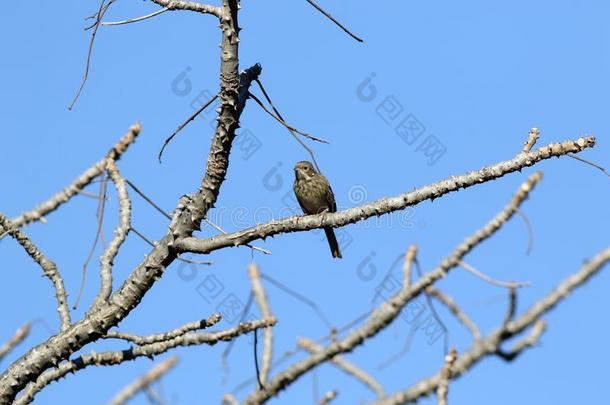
x: 332, y: 242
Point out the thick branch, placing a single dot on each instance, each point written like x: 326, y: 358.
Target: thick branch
x: 149, y: 350
x: 384, y: 205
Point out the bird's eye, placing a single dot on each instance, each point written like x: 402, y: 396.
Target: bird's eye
x: 305, y: 168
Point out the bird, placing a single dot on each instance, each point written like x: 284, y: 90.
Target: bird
x: 315, y: 196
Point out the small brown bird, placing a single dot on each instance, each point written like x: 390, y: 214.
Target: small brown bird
x: 315, y: 196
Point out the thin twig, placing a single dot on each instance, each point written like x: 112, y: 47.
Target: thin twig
x: 49, y: 269
x: 263, y: 303
x: 532, y: 138
x: 403, y: 351
x: 165, y: 336
x: 121, y: 232
x: 98, y: 19
x: 498, y: 283
x: 151, y: 243
x: 299, y: 297
x: 229, y: 399
x: 144, y: 381
x: 528, y: 341
x: 256, y: 368
x: 294, y: 135
x: 446, y: 374
x: 435, y: 314
x: 603, y: 169
x: 530, y: 232
x: 242, y: 318
x: 99, y: 215
x: 328, y: 397
x: 330, y: 17
x: 281, y: 121
x: 512, y: 305
x: 184, y: 124
x: 132, y: 20
x: 219, y: 229
x: 407, y: 264
x: 89, y: 195
x: 41, y: 210
x: 455, y: 310
x: 166, y: 215
x: 346, y: 366
x: 17, y: 338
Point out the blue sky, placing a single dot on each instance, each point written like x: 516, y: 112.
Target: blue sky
x: 475, y: 76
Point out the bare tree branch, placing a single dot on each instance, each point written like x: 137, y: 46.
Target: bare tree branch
x: 184, y: 124
x: 446, y: 373
x: 263, y: 303
x: 328, y: 397
x: 186, y: 219
x: 133, y: 20
x: 161, y: 337
x: 528, y: 341
x: 512, y: 305
x: 390, y: 309
x: 346, y: 366
x: 166, y: 215
x: 281, y: 121
x: 40, y: 211
x: 490, y: 345
x: 98, y: 19
x: 532, y: 138
x: 294, y: 134
x: 455, y: 310
x: 384, y: 205
x: 229, y: 399
x: 99, y: 234
x: 144, y: 381
x: 492, y: 281
x: 120, y: 233
x: 17, y: 338
x: 151, y: 243
x: 601, y: 168
x: 63, y: 352
x: 330, y: 17
x: 147, y: 350
x: 49, y: 269
x: 407, y: 264
x: 190, y: 6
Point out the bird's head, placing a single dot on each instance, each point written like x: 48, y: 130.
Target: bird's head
x: 304, y: 170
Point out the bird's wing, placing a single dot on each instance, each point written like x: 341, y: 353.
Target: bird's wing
x: 330, y: 198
